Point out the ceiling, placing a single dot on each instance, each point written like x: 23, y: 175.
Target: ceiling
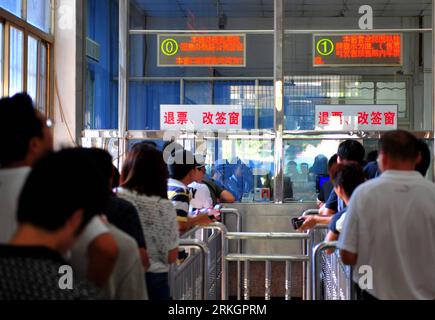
x: 293, y: 8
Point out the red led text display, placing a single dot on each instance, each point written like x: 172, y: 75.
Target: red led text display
x: 357, y: 50
x: 201, y: 50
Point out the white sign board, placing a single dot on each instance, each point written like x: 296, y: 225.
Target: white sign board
x: 381, y: 117
x: 200, y: 117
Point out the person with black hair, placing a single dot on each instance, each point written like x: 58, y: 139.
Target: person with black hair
x: 348, y: 150
x: 390, y: 225
x: 326, y: 188
x: 127, y: 279
x: 182, y: 165
x: 345, y: 177
x: 144, y: 178
x: 372, y: 156
x: 50, y: 220
x: 24, y: 138
x: 120, y: 212
x: 423, y: 165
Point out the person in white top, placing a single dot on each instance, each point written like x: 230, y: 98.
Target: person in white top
x: 200, y: 193
x: 143, y: 183
x: 24, y: 138
x: 389, y: 231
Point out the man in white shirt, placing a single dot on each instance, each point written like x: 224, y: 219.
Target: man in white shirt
x: 24, y: 138
x: 200, y: 194
x: 389, y: 231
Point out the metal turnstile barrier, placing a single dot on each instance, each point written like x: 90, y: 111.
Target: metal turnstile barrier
x: 305, y: 259
x: 203, y: 274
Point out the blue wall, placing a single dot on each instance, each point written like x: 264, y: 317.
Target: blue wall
x: 101, y: 83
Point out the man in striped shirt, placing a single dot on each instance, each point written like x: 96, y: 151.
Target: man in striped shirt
x: 183, y: 169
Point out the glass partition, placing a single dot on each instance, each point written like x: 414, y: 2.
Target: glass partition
x: 387, y: 31
x: 39, y: 14
x: 151, y: 84
x: 16, y: 61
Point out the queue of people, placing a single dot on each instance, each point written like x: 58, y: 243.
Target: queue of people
x: 68, y: 224
x: 72, y: 226
x: 383, y: 218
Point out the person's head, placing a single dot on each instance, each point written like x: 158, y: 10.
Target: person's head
x: 304, y: 168
x: 24, y: 135
x: 200, y: 169
x: 346, y: 177
x: 350, y: 150
x: 144, y: 171
x: 372, y: 156
x: 103, y: 161
x: 398, y: 150
x: 332, y: 161
x: 320, y: 165
x: 63, y: 192
x: 182, y: 166
x: 424, y: 162
x: 292, y: 167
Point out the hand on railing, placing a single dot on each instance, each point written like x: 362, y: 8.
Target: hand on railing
x: 310, y: 221
x: 214, y: 215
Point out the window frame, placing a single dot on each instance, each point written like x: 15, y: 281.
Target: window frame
x: 44, y: 39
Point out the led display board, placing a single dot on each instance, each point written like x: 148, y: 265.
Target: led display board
x: 201, y: 50
x: 367, y: 49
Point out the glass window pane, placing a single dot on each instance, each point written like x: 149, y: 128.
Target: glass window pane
x: 15, y: 61
x: 145, y: 99
x: 243, y: 167
x: 32, y: 67
x: 305, y: 162
x: 42, y: 100
x: 206, y: 87
x: 392, y: 93
x: 38, y: 14
x: 13, y: 6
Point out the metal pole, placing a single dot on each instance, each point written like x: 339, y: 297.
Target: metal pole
x: 315, y: 266
x: 279, y: 102
x: 288, y: 280
x: 246, y: 281
x: 308, y: 264
x: 268, y: 281
x: 304, y: 270
x: 287, y: 31
x: 236, y: 212
x: 195, y: 243
x: 123, y: 79
x: 223, y: 230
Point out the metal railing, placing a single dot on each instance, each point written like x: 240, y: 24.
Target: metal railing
x: 224, y: 213
x: 331, y: 279
x: 203, y: 274
x: 188, y: 281
x: 288, y: 259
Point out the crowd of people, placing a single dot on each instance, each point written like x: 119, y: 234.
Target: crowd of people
x: 71, y: 227
x: 382, y: 216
